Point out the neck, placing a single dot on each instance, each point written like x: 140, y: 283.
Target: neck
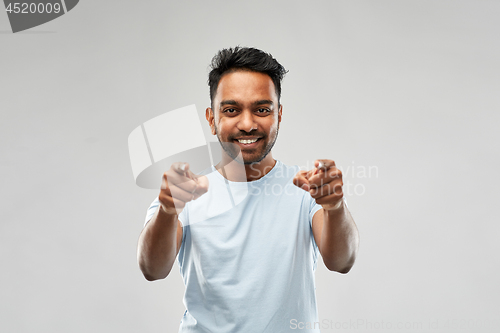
x: 238, y: 172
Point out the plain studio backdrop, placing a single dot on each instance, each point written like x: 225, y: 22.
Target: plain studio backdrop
x: 403, y: 95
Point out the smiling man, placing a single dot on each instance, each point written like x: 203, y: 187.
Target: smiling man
x: 249, y: 267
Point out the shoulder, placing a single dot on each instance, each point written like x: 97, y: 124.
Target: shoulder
x: 285, y: 170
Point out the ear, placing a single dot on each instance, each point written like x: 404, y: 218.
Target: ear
x: 209, y: 114
x: 279, y: 113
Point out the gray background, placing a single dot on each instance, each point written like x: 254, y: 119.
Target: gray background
x: 407, y: 87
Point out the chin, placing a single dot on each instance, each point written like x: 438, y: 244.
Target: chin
x: 247, y: 161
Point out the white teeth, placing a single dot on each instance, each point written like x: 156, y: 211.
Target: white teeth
x: 247, y: 141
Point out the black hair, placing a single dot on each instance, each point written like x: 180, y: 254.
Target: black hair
x: 244, y: 58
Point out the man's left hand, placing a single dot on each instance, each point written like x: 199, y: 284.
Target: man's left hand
x: 324, y: 183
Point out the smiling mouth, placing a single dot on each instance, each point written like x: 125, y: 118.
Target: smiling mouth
x: 247, y: 141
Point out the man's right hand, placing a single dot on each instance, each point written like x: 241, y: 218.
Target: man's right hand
x: 179, y: 186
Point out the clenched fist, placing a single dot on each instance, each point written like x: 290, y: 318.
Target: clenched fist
x: 324, y: 183
x: 179, y: 186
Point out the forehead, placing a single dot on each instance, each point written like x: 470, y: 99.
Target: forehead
x: 246, y: 85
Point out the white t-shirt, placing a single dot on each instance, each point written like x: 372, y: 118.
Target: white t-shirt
x: 248, y: 255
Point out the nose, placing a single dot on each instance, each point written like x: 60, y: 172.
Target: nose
x: 246, y: 121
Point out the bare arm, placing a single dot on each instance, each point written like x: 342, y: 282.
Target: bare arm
x: 334, y: 229
x: 161, y: 238
x: 159, y: 244
x: 337, y: 238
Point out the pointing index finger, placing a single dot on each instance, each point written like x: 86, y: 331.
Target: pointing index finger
x: 323, y: 165
x: 183, y: 169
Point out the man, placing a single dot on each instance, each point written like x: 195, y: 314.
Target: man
x: 249, y: 265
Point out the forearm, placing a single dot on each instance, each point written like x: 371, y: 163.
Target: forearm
x: 157, y: 250
x: 339, y: 239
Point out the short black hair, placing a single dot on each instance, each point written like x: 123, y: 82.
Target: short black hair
x: 244, y: 58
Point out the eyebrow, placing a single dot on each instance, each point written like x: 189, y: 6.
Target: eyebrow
x: 263, y: 101
x: 228, y: 102
x: 233, y: 102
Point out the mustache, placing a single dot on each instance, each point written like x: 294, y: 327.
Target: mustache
x: 243, y: 135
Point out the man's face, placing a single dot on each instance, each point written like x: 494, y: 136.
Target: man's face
x: 245, y: 115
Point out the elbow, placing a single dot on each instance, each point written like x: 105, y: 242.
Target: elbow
x: 342, y: 268
x: 338, y: 269
x: 152, y: 274
x: 345, y: 270
x: 151, y: 277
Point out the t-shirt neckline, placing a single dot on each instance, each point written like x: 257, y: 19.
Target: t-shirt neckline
x: 276, y: 166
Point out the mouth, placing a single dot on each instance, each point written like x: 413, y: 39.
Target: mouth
x: 247, y: 142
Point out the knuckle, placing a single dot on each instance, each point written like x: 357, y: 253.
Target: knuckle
x: 335, y: 173
x: 164, y: 181
x: 162, y: 198
x: 338, y: 191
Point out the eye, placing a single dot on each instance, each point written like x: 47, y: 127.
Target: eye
x: 263, y: 111
x: 230, y: 111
